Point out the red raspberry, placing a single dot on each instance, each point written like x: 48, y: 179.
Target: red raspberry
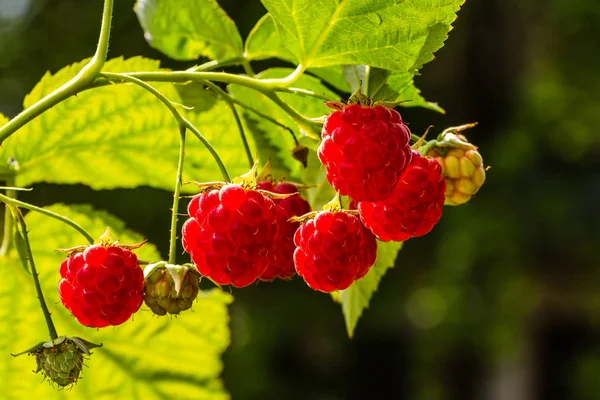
x: 365, y: 150
x: 282, y: 259
x: 231, y: 234
x: 414, y: 206
x: 101, y: 286
x: 334, y: 250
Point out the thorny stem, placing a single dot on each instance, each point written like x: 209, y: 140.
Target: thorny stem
x: 8, y: 219
x: 231, y: 105
x: 11, y: 202
x: 176, y: 192
x: 23, y: 227
x: 208, y: 66
x: 180, y: 119
x: 83, y: 80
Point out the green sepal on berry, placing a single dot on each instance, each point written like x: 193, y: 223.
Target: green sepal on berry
x: 170, y: 288
x: 61, y: 360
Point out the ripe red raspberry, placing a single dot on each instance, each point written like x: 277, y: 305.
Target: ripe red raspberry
x: 333, y: 250
x: 102, y: 285
x: 414, y: 206
x: 281, y: 264
x: 231, y: 234
x: 365, y: 149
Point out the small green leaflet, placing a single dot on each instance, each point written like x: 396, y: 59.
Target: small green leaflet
x: 118, y: 136
x: 188, y: 29
x: 145, y: 358
x: 390, y: 34
x: 357, y: 297
x: 383, y: 85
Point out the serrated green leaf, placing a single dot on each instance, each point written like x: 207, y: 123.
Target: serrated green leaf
x: 188, y: 29
x: 147, y: 357
x: 264, y: 42
x: 278, y: 137
x: 118, y: 136
x: 357, y: 297
x: 389, y: 34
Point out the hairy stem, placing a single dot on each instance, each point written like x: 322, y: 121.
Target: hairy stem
x: 11, y: 202
x: 208, y: 66
x: 40, y: 295
x: 8, y: 220
x: 93, y: 68
x: 180, y: 119
x: 80, y: 82
x: 238, y: 121
x: 176, y: 195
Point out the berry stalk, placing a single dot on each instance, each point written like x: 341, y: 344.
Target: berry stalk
x: 11, y: 202
x: 180, y: 119
x: 29, y: 259
x: 8, y: 220
x: 238, y: 122
x: 176, y: 192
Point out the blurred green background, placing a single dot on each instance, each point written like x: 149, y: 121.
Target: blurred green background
x: 501, y: 301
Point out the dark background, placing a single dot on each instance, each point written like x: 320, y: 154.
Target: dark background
x: 501, y: 301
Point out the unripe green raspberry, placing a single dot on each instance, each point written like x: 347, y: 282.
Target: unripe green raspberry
x: 61, y: 359
x: 462, y: 167
x: 62, y: 364
x: 169, y: 288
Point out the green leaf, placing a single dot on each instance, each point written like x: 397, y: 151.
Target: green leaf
x: 279, y: 138
x: 188, y: 29
x: 264, y: 42
x: 146, y: 357
x: 3, y: 119
x: 399, y: 86
x: 377, y: 83
x: 118, y: 136
x: 357, y: 297
x: 389, y: 34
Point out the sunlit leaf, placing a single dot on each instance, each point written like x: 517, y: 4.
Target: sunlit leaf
x: 146, y: 357
x: 389, y: 34
x: 118, y: 136
x: 356, y: 298
x: 188, y: 29
x: 264, y: 42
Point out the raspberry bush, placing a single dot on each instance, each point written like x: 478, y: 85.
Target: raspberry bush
x: 331, y: 127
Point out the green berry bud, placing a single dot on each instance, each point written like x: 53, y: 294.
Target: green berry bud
x: 168, y: 288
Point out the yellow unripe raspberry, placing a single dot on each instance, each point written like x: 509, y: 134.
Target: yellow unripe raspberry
x: 463, y: 171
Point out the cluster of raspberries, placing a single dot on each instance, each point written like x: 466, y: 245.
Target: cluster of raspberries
x: 236, y: 234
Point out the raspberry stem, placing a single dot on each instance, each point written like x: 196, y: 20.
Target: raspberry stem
x: 238, y: 122
x: 29, y: 259
x: 8, y: 220
x: 176, y: 192
x: 82, y: 81
x: 180, y: 119
x: 11, y: 202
